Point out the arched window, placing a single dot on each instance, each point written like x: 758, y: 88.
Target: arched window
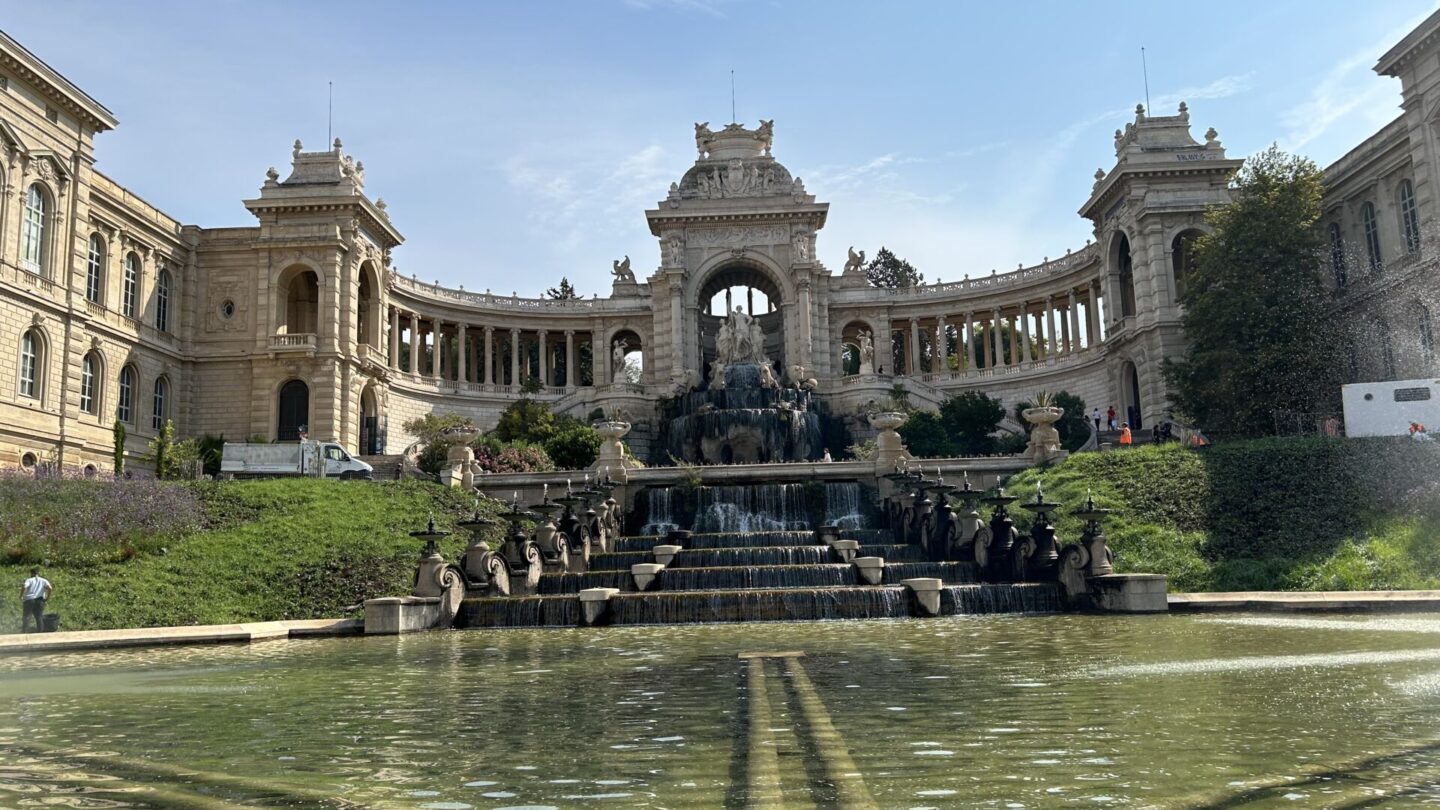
x: 88, y: 390
x: 125, y: 396
x: 161, y: 404
x: 1337, y: 255
x: 32, y: 230
x: 162, y: 301
x: 1127, y: 278
x: 1409, y: 217
x: 95, y: 269
x: 32, y: 356
x: 1182, y: 259
x: 1372, y: 234
x: 131, y: 289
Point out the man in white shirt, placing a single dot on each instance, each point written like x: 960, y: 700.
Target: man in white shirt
x: 32, y: 596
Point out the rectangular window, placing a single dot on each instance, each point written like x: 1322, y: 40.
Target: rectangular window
x: 1412, y: 394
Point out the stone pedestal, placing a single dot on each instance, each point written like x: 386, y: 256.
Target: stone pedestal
x: 664, y: 554
x: 927, y: 594
x: 846, y: 550
x: 644, y: 574
x: 888, y: 446
x: 1130, y: 593
x: 872, y: 569
x: 393, y: 615
x: 594, y: 602
x: 612, y: 451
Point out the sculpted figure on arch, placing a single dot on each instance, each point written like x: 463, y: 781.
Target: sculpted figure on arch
x: 621, y: 270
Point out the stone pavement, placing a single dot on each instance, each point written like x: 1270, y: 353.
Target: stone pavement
x: 1306, y: 600
x: 197, y: 634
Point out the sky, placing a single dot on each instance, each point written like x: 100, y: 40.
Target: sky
x: 515, y: 143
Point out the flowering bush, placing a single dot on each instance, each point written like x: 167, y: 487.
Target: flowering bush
x: 65, y: 519
x: 502, y: 457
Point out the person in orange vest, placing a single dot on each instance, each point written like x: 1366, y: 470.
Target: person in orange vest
x: 1125, y: 438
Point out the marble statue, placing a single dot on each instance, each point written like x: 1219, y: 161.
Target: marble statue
x: 725, y: 342
x: 676, y: 247
x: 618, y: 357
x: 767, y: 376
x: 740, y: 340
x: 766, y: 134
x: 867, y: 354
x: 800, y: 246
x: 621, y: 270
x: 853, y: 264
x: 702, y: 138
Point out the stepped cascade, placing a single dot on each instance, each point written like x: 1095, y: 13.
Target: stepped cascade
x: 745, y: 552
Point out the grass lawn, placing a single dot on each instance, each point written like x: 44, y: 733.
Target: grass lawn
x: 264, y: 550
x: 1271, y: 514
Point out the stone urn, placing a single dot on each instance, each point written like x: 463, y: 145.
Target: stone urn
x: 612, y: 451
x: 1044, y: 438
x: 460, y: 457
x: 888, y: 446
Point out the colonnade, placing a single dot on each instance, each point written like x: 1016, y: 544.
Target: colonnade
x: 1046, y: 328
x: 464, y: 353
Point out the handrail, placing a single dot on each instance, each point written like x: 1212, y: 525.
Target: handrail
x: 489, y: 299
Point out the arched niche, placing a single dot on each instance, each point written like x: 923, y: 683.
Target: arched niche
x: 751, y: 287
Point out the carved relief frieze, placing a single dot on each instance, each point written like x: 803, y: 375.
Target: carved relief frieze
x: 739, y: 236
x: 225, y: 308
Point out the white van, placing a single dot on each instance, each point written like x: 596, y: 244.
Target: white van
x: 318, y: 459
x: 1388, y: 408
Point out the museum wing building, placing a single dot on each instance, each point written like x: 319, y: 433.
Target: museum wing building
x: 112, y: 310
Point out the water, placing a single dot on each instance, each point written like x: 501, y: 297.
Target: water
x: 751, y: 508
x: 1040, y: 711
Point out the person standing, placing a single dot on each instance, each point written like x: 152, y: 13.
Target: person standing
x: 33, y: 594
x: 1125, y: 438
x: 1096, y: 417
x: 1110, y: 416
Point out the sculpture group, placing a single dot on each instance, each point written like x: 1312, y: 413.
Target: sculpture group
x: 740, y: 340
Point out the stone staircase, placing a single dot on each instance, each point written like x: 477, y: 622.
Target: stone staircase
x: 387, y: 468
x: 755, y: 576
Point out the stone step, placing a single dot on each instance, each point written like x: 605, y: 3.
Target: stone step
x: 756, y: 576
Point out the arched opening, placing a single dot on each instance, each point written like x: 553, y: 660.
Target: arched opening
x: 91, y: 471
x: 300, y: 302
x: 130, y: 286
x: 627, y: 357
x: 91, y: 373
x: 1182, y: 261
x: 162, y: 301
x: 1130, y: 395
x: 160, y: 403
x: 293, y: 411
x: 857, y: 349
x: 33, y: 360
x: 367, y: 307
x: 34, y: 230
x: 95, y: 270
x: 369, y: 443
x: 125, y: 396
x: 1125, y: 272
x: 751, y: 290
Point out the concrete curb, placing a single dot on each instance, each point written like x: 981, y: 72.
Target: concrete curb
x: 160, y: 636
x: 1306, y: 601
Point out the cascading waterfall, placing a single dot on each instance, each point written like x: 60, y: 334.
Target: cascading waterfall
x: 755, y: 508
x: 842, y: 505
x: 661, y: 512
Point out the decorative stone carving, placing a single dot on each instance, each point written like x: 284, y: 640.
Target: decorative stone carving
x: 738, y: 236
x: 867, y: 353
x: 800, y: 246
x: 675, y: 250
x: 703, y: 136
x: 741, y: 340
x: 617, y: 355
x: 621, y: 270
x: 216, y: 298
x: 855, y: 261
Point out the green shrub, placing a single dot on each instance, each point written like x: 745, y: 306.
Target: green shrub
x: 573, y: 447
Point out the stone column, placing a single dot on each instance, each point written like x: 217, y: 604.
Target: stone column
x: 912, y: 359
x: 677, y: 331
x: 1092, y: 313
x: 1052, y: 346
x: 1025, y: 332
x: 463, y: 348
x: 437, y: 349
x: 994, y: 347
x: 1074, y: 344
x: 967, y: 341
x: 572, y: 379
x: 414, y: 343
x: 515, y: 359
x: 489, y: 355
x: 939, y: 358
x: 598, y: 358
x: 805, y: 340
x: 544, y: 357
x: 394, y: 338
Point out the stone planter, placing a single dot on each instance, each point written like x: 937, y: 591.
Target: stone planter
x: 612, y: 451
x: 888, y: 446
x: 1044, y: 438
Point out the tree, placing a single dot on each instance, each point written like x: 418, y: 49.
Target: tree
x: 889, y: 270
x: 431, y: 428
x: 634, y: 372
x: 970, y: 418
x: 162, y: 452
x: 574, y: 446
x: 525, y: 420
x: 564, y: 291
x: 1074, y: 426
x: 119, y: 433
x: 1261, y: 338
x: 925, y: 435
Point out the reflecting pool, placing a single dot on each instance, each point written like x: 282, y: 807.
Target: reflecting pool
x: 991, y: 711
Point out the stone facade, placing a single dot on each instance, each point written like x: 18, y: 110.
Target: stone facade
x: 110, y: 308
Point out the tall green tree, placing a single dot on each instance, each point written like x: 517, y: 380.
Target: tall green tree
x: 1261, y: 338
x: 563, y: 291
x: 889, y: 270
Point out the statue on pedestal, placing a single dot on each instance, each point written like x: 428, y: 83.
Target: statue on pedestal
x: 867, y: 354
x: 621, y: 270
x: 618, y: 357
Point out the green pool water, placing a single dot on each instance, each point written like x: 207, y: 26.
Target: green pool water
x: 1021, y: 711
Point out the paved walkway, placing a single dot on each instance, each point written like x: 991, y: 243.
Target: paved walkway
x: 1306, y: 600
x: 198, y: 634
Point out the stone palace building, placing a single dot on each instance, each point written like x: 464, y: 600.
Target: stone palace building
x: 111, y: 309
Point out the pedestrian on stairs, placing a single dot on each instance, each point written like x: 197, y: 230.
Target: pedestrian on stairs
x: 1125, y: 438
x: 1110, y: 416
x: 1096, y: 417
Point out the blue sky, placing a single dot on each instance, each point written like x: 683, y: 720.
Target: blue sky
x: 518, y: 142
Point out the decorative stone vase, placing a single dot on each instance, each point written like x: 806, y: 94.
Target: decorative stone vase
x: 1044, y: 438
x: 888, y: 446
x: 612, y: 451
x: 460, y: 456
